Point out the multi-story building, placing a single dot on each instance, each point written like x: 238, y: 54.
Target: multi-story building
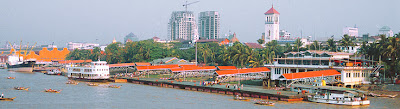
x: 271, y: 25
x: 209, y: 24
x: 77, y: 45
x: 350, y: 31
x: 182, y: 25
x: 353, y: 71
x: 385, y: 30
x: 284, y: 35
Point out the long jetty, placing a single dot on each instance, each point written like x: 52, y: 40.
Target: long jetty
x: 221, y: 89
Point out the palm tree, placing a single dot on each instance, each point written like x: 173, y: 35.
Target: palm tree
x: 260, y: 41
x: 346, y: 41
x: 288, y: 47
x: 298, y: 44
x: 331, y: 45
x: 391, y: 54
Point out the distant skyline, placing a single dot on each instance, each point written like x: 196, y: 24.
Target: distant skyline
x: 62, y: 21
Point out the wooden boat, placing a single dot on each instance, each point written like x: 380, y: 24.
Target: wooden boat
x: 114, y: 86
x: 21, y: 88
x: 72, y: 82
x: 92, y: 84
x: 382, y: 95
x: 10, y: 77
x: 237, y: 97
x: 262, y: 102
x: 8, y: 99
x: 52, y: 91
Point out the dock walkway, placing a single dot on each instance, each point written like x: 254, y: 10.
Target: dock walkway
x: 222, y: 89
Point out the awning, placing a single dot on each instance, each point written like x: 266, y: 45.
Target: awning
x: 157, y: 67
x: 242, y: 71
x: 311, y: 74
x: 194, y: 68
x: 227, y: 67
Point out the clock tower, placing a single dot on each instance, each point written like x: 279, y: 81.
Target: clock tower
x: 271, y: 25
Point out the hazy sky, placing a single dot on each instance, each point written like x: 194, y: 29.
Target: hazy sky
x: 61, y: 21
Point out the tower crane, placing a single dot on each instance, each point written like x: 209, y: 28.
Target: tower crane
x: 186, y: 4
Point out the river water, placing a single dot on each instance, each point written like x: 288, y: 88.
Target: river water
x: 132, y: 96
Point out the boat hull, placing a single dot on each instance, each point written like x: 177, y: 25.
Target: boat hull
x: 24, y: 67
x: 89, y: 80
x: 340, y: 102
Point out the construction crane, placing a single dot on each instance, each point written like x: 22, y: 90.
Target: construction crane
x: 186, y: 4
x: 32, y: 48
x: 26, y: 49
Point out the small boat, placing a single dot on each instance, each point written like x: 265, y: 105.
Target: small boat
x: 114, y: 86
x: 237, y: 97
x: 262, y: 102
x: 92, y: 84
x: 72, y: 82
x: 10, y: 77
x: 53, y: 72
x: 382, y: 95
x: 52, y: 91
x: 21, y: 88
x: 8, y: 99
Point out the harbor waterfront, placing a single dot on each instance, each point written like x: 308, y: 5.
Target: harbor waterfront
x: 132, y: 96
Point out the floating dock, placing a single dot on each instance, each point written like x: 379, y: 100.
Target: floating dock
x: 254, y: 92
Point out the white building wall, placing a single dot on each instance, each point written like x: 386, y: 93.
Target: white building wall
x: 271, y: 27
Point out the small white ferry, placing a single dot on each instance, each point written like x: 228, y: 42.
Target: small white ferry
x: 53, y: 72
x: 334, y: 95
x: 95, y: 72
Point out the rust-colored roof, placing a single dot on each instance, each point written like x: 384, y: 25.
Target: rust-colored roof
x: 227, y: 67
x: 194, y: 68
x: 73, y: 61
x: 157, y: 67
x: 121, y: 65
x: 253, y: 45
x: 188, y: 65
x: 242, y: 71
x: 311, y: 74
x: 272, y: 11
x: 142, y: 64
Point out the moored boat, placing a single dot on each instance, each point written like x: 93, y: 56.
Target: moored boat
x: 237, y: 97
x: 53, y: 72
x: 8, y: 99
x: 262, y: 102
x: 21, y: 88
x: 10, y: 77
x: 95, y: 72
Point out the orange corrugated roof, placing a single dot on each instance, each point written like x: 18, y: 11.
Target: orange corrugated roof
x: 157, y: 67
x: 121, y: 65
x: 226, y: 67
x: 73, y: 61
x: 142, y: 64
x: 242, y: 71
x: 188, y: 65
x: 311, y: 74
x: 193, y: 68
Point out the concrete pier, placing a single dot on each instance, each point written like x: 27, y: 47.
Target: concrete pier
x: 254, y: 92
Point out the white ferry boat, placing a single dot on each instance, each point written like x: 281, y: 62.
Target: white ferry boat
x: 334, y: 95
x: 95, y: 72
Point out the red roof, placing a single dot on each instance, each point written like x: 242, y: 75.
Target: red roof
x: 242, y: 71
x: 227, y: 67
x: 73, y: 61
x: 193, y: 68
x: 142, y: 64
x: 253, y: 45
x: 272, y: 11
x: 311, y: 74
x: 121, y: 65
x: 157, y: 67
